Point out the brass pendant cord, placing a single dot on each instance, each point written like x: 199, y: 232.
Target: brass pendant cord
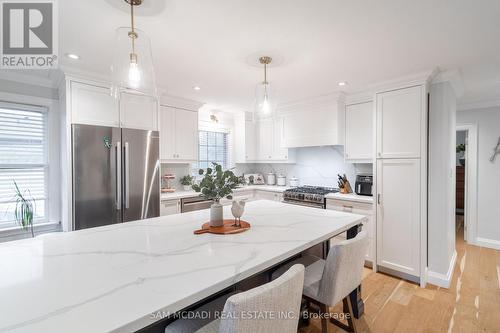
x: 265, y: 73
x: 132, y: 33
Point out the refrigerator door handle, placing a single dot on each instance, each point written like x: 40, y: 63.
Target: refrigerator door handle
x: 127, y: 175
x: 118, y: 180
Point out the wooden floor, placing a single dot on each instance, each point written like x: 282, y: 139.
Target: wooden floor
x: 472, y: 304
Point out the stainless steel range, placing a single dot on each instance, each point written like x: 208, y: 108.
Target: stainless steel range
x: 312, y: 196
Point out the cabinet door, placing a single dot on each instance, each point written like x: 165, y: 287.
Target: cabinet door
x: 359, y: 132
x: 399, y: 123
x: 186, y: 135
x: 398, y: 215
x: 264, y: 195
x: 169, y: 207
x: 265, y: 139
x: 279, y: 153
x: 93, y: 105
x: 138, y: 112
x: 250, y: 141
x: 167, y: 133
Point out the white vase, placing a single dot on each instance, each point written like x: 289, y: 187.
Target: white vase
x: 216, y: 215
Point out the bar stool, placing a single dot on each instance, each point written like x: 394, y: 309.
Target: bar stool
x: 327, y: 282
x: 270, y: 308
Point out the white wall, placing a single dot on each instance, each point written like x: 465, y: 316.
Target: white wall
x: 441, y: 189
x: 488, y: 214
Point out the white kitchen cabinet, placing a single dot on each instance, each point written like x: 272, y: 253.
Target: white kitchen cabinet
x: 265, y: 135
x: 178, y: 135
x: 266, y: 195
x: 279, y: 152
x: 246, y: 195
x: 138, y: 112
x: 365, y: 209
x: 399, y: 122
x: 93, y: 105
x: 316, y: 122
x: 359, y: 129
x: 170, y: 207
x: 398, y: 215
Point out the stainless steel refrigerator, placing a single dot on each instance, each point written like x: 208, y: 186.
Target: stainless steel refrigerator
x: 115, y: 175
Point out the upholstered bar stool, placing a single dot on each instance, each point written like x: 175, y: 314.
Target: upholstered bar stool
x: 270, y: 308
x: 327, y: 282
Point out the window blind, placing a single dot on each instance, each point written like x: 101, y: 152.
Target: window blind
x: 23, y: 141
x: 213, y: 148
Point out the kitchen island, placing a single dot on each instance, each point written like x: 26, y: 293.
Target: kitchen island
x: 117, y: 278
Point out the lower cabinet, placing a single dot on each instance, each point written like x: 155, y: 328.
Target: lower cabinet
x: 240, y: 195
x: 361, y: 209
x: 398, y: 215
x: 170, y: 207
x: 266, y: 195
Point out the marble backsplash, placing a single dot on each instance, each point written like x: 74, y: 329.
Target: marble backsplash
x: 314, y: 166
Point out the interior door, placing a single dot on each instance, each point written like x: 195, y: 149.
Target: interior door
x: 398, y: 215
x: 140, y: 174
x: 96, y: 199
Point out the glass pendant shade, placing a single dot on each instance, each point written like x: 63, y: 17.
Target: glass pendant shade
x: 132, y: 67
x: 264, y: 101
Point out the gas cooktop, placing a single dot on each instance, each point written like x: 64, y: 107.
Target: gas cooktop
x: 308, y: 195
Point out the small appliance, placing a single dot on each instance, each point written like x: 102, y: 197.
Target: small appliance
x: 281, y: 180
x: 364, y: 185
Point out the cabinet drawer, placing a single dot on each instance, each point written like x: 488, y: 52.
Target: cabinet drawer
x: 169, y: 207
x: 350, y: 206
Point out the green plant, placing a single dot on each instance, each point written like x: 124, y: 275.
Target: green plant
x: 460, y: 148
x: 24, y: 211
x: 217, y: 183
x: 187, y: 180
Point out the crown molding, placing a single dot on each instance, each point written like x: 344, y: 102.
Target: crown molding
x: 312, y: 102
x: 454, y: 78
x: 466, y: 106
x: 424, y: 77
x: 180, y: 102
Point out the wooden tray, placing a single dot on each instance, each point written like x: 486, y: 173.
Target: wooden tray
x: 226, y: 229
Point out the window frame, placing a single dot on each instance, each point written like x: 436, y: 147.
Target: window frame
x: 227, y: 138
x: 44, y: 110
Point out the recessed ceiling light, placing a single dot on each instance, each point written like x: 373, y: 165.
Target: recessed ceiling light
x: 73, y: 56
x: 196, y: 88
x: 342, y: 83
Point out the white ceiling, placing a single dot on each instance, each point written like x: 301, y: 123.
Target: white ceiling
x: 319, y: 42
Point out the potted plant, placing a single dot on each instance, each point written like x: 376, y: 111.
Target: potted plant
x: 25, y: 209
x: 216, y: 185
x: 461, y: 154
x: 186, y: 182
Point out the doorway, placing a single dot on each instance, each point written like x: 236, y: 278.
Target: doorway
x: 460, y: 165
x: 466, y: 184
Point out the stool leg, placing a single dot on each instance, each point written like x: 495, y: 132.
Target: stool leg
x: 323, y: 309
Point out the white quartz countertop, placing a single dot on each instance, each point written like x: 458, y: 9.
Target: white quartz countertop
x: 116, y: 278
x: 350, y: 197
x: 187, y: 194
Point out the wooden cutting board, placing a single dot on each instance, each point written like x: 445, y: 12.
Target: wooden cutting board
x: 227, y: 229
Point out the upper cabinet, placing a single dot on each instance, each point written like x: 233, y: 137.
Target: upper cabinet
x: 138, y: 112
x: 93, y: 105
x: 399, y: 122
x: 317, y: 122
x: 178, y: 135
x: 359, y: 129
x: 261, y: 140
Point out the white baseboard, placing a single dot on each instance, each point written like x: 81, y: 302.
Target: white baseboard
x: 442, y: 280
x: 490, y: 243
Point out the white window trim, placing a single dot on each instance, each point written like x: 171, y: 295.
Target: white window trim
x: 14, y: 228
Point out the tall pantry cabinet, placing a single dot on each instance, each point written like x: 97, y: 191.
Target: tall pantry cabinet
x: 401, y: 178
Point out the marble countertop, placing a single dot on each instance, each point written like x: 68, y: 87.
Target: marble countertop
x: 116, y: 278
x: 187, y: 194
x: 350, y: 197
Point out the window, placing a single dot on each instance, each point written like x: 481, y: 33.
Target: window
x: 23, y: 158
x: 212, y: 148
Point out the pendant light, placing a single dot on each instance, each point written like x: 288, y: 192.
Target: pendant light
x: 132, y: 68
x: 264, y: 106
